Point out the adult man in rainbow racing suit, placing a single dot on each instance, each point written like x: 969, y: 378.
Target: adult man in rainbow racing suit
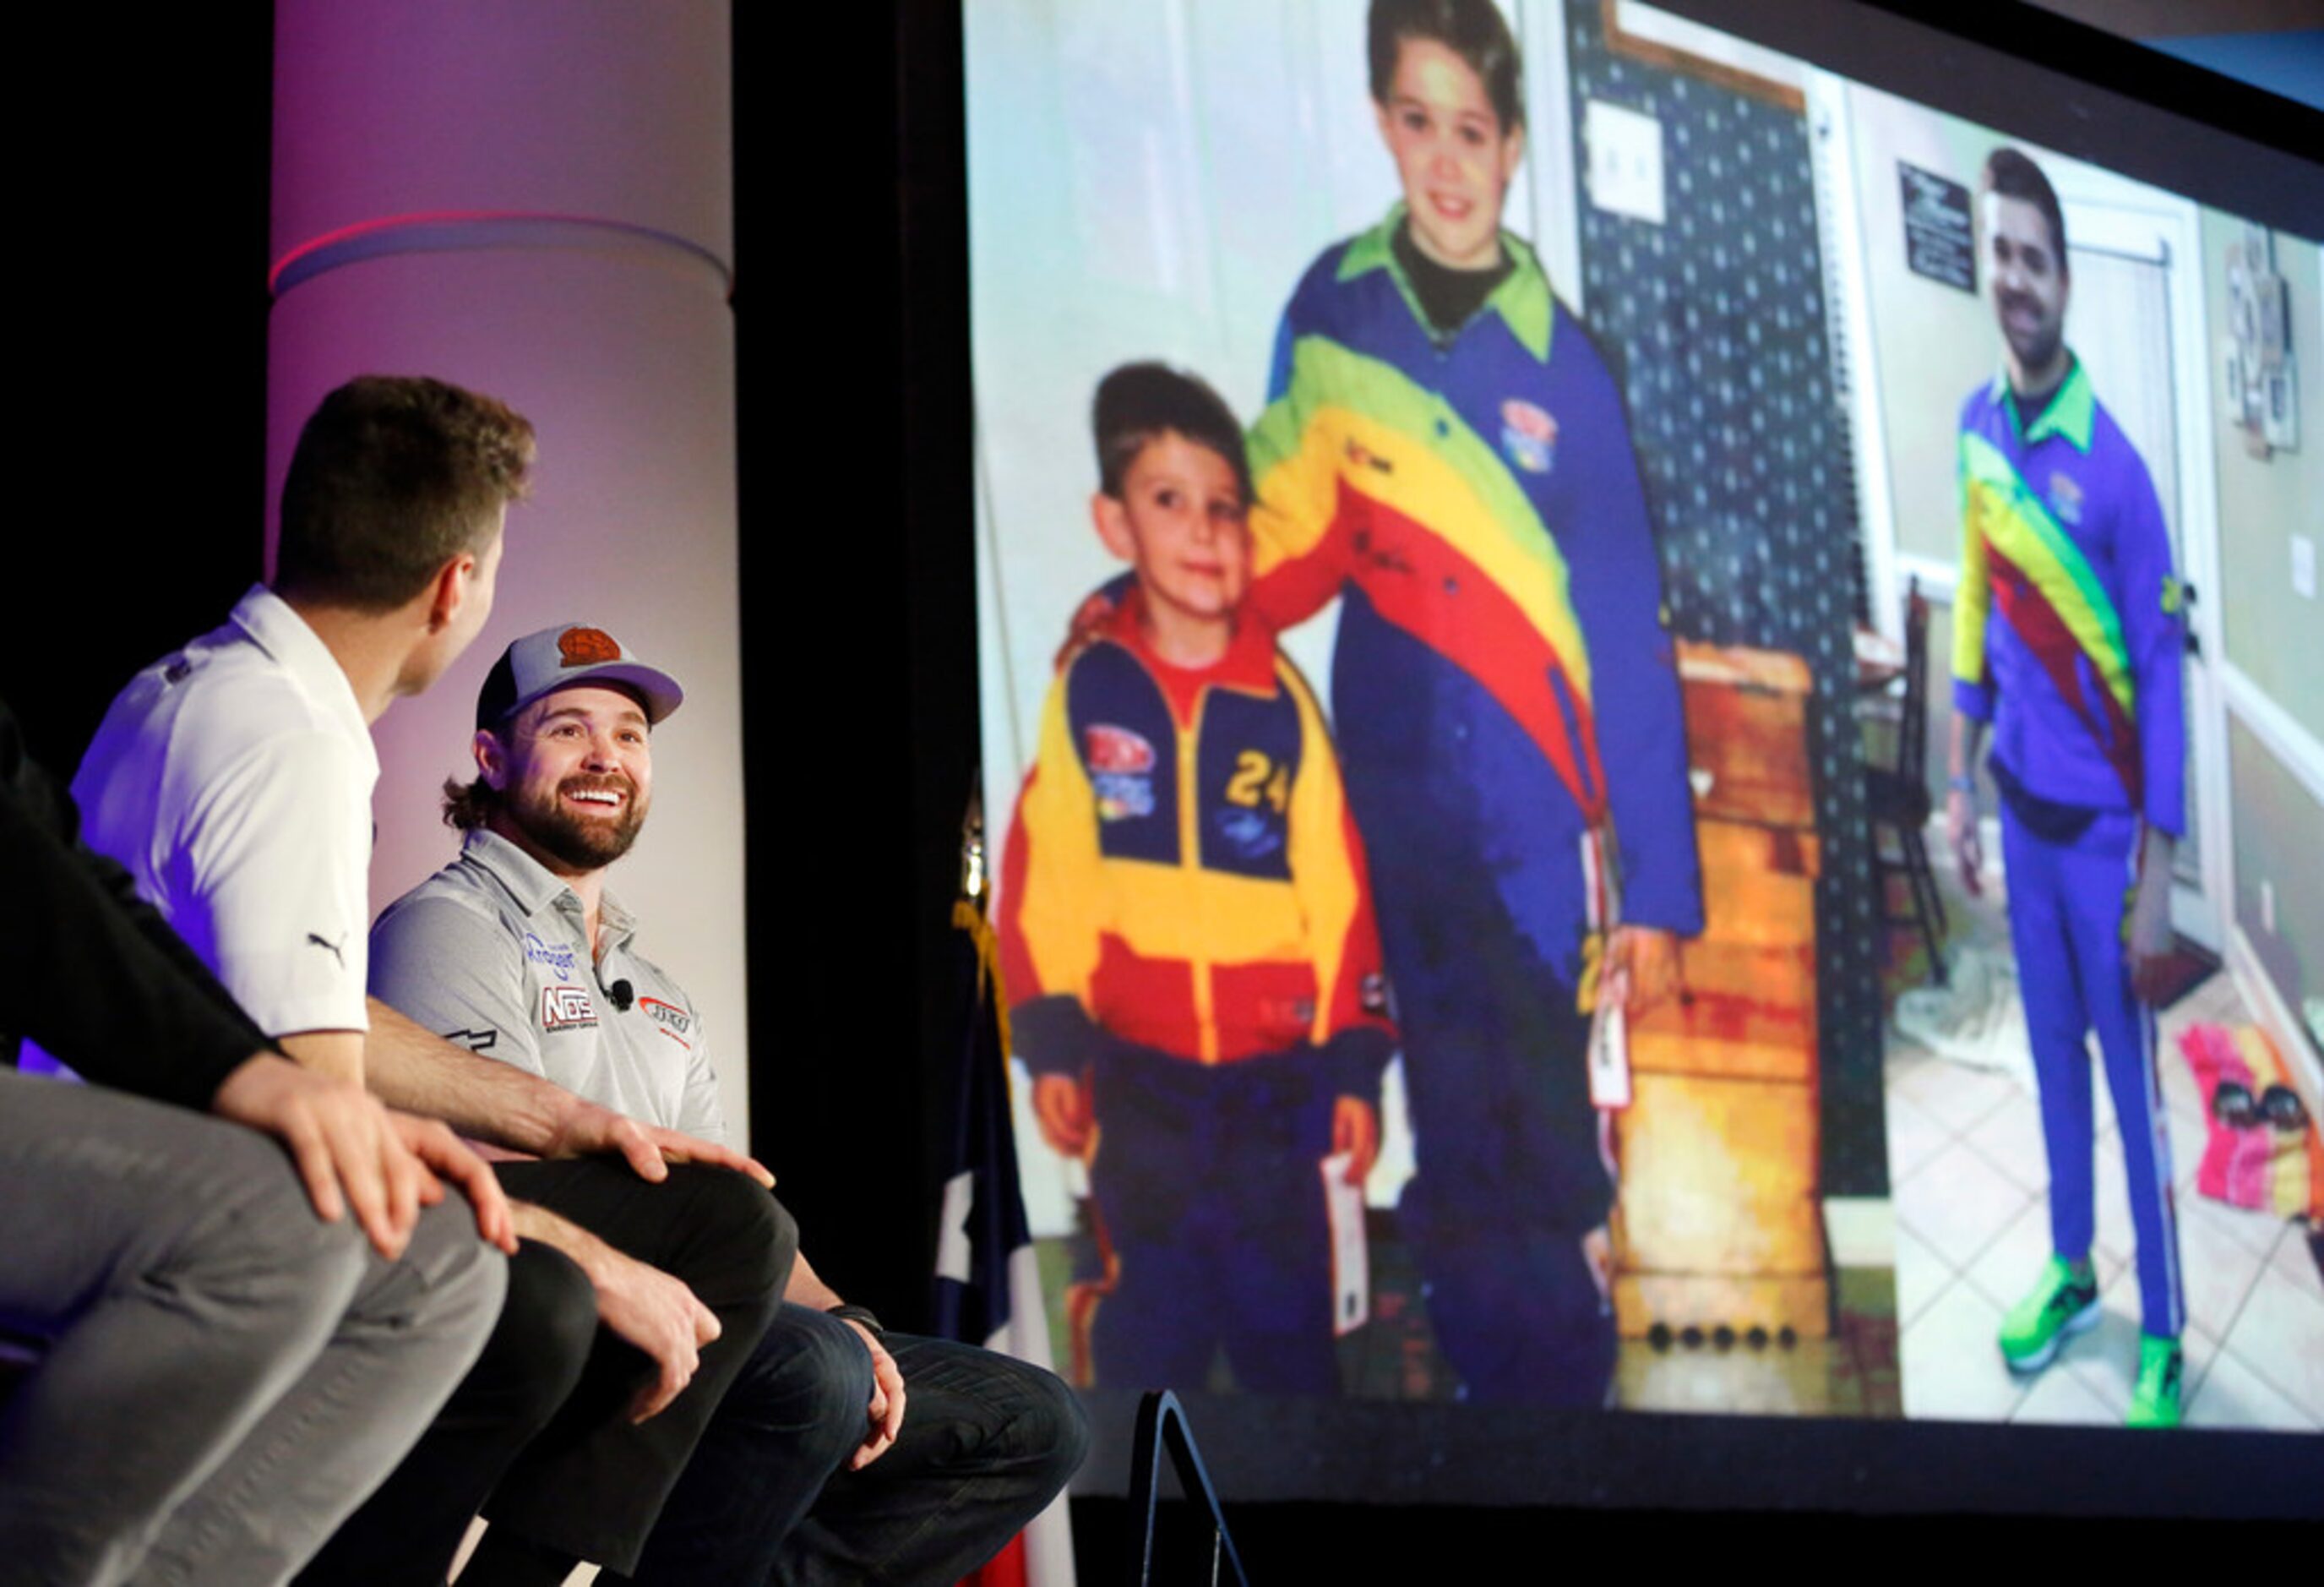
x: 2068, y: 635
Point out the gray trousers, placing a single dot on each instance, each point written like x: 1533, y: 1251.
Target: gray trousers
x: 225, y: 1376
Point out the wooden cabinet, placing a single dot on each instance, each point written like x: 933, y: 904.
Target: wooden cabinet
x: 1721, y: 1220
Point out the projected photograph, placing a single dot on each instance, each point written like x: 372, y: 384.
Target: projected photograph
x: 2098, y: 1218
x: 1488, y: 518
x: 1438, y: 913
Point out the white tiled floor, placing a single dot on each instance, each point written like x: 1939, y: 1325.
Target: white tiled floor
x: 1965, y: 1152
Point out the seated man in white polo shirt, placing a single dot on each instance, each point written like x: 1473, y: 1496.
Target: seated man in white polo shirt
x: 232, y: 779
x: 231, y: 1360
x: 812, y: 1470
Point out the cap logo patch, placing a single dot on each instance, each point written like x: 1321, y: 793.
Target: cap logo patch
x: 587, y: 647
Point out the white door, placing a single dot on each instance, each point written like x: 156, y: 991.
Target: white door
x: 2134, y: 281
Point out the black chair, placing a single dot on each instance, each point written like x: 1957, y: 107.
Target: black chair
x: 1161, y: 1421
x: 1898, y: 796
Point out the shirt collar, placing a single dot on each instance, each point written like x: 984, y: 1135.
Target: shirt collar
x: 1523, y: 299
x: 536, y: 888
x: 1248, y: 663
x: 279, y: 631
x: 2072, y: 413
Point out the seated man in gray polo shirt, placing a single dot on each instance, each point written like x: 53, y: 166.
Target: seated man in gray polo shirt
x: 810, y: 1468
x: 233, y: 780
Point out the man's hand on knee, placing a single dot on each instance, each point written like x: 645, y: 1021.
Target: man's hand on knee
x: 434, y: 1144
x: 645, y: 1306
x: 349, y: 1149
x: 884, y: 1417
x: 588, y: 1129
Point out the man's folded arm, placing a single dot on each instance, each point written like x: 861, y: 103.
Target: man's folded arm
x: 90, y: 971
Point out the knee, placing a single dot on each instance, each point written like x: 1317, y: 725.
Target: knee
x: 810, y: 1380
x: 1055, y: 1430
x: 747, y: 1241
x: 460, y: 1284
x: 259, y: 1218
x: 542, y: 1339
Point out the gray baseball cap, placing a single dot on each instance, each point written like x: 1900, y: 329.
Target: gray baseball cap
x: 560, y: 657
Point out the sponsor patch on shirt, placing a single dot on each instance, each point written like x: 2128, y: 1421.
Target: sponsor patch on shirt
x: 1121, y: 795
x: 2065, y: 497
x: 1529, y: 435
x: 476, y: 1041
x: 558, y: 956
x: 675, y: 1023
x: 1249, y: 834
x: 1109, y: 748
x: 566, y: 1008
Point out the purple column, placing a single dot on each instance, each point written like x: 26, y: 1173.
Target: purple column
x: 534, y: 198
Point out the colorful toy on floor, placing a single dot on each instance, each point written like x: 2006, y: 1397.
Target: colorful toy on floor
x: 2261, y: 1150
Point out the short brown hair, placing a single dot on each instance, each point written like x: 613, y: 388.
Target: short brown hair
x: 1137, y: 404
x: 2013, y: 174
x: 1474, y: 30
x: 393, y: 477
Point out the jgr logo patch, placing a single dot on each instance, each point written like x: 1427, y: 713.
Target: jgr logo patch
x: 2065, y: 498
x: 667, y: 1014
x: 1529, y: 435
x: 565, y: 1008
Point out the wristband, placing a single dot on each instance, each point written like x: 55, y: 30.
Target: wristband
x: 1963, y: 782
x: 862, y: 1314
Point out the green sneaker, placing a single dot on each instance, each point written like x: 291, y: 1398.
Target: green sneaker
x: 2154, y: 1403
x: 2064, y: 1302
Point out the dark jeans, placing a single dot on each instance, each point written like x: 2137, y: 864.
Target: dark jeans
x: 987, y: 1442
x: 1206, y: 1175
x: 541, y: 1423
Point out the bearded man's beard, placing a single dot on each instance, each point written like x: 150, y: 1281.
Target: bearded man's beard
x: 582, y: 841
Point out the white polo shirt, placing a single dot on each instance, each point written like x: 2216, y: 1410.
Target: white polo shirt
x: 234, y: 779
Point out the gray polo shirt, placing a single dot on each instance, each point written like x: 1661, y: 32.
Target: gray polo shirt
x: 491, y: 952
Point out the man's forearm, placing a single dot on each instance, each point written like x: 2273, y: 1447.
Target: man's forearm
x: 806, y: 1289
x: 408, y: 1066
x: 1967, y: 738
x: 338, y: 1053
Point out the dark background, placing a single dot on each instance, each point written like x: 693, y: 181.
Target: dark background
x: 134, y: 524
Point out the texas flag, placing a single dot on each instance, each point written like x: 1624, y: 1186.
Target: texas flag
x: 987, y: 1288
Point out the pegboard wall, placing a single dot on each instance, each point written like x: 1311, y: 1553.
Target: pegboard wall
x: 1714, y: 322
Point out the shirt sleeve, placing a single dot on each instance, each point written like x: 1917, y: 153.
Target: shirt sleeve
x: 1617, y: 591
x: 1972, y: 605
x: 445, y: 965
x: 2154, y: 633
x: 1301, y: 537
x: 700, y: 1113
x: 1052, y: 902
x: 91, y: 971
x: 1329, y: 875
x: 277, y: 855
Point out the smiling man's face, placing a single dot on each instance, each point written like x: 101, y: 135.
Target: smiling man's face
x: 575, y: 770
x: 2026, y: 282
